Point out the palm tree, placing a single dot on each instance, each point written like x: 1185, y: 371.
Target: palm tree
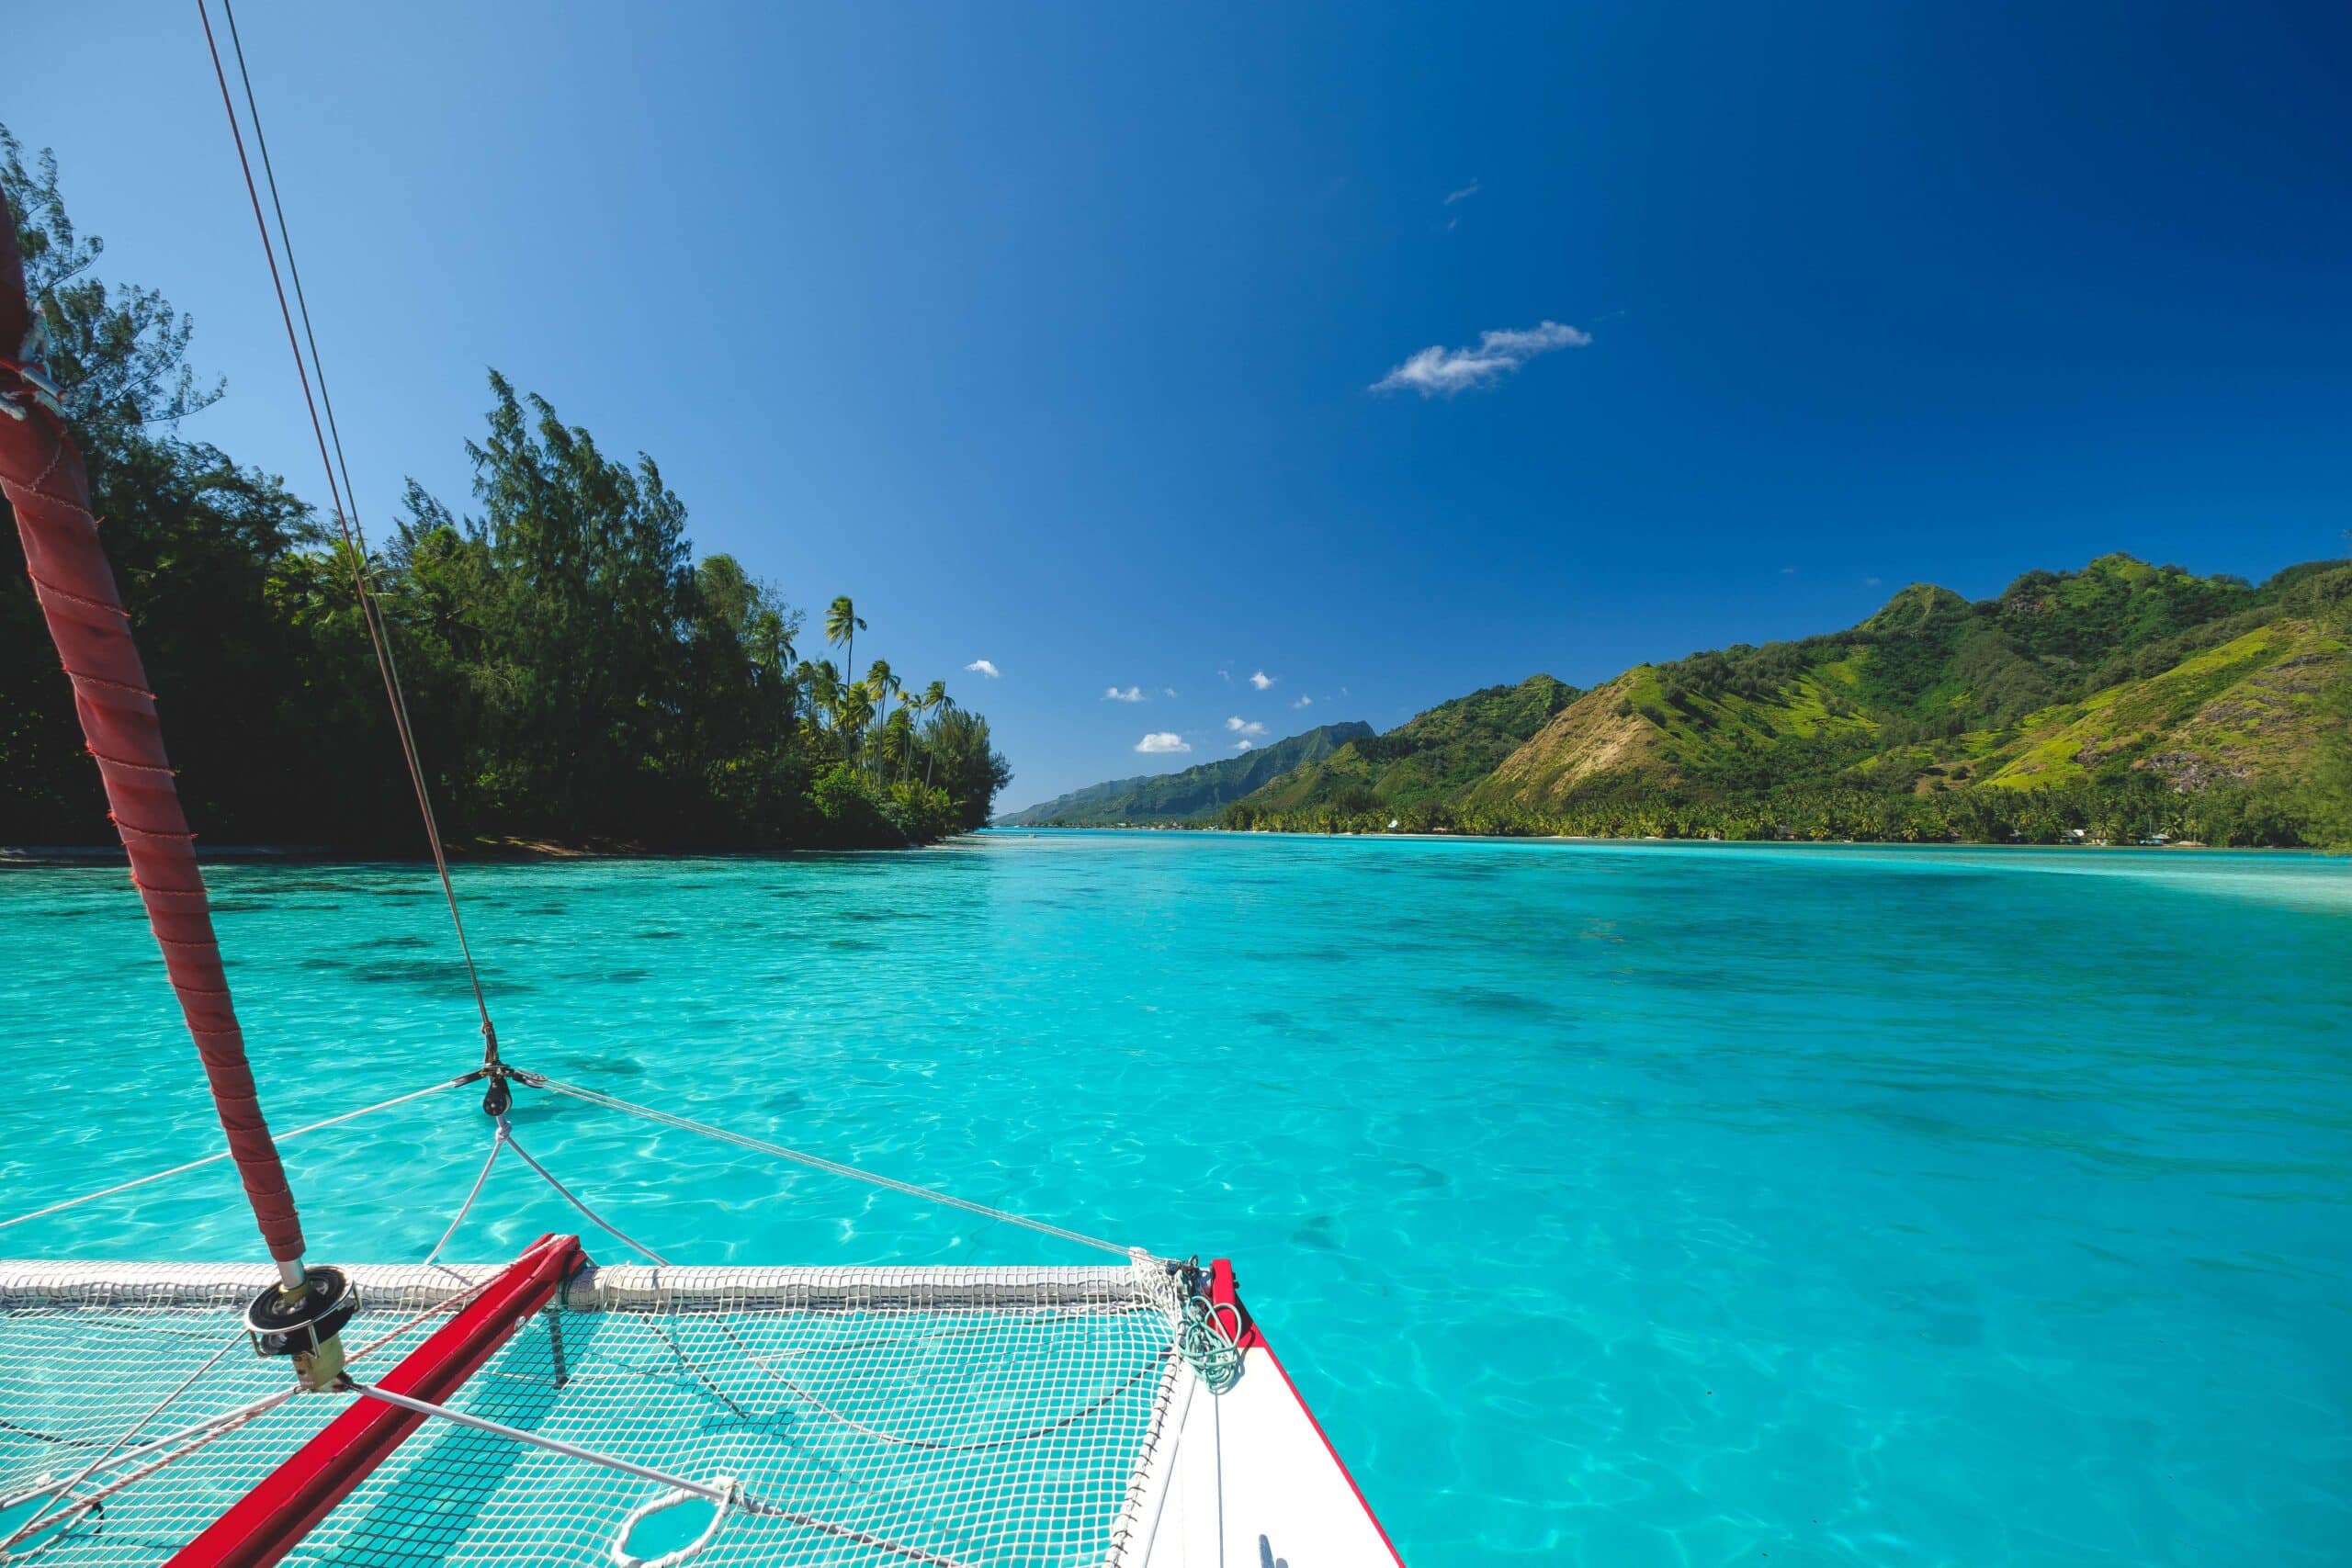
x: 841, y: 626
x: 856, y: 706
x: 823, y: 684
x: 934, y: 700
x: 899, y: 734
x: 883, y: 684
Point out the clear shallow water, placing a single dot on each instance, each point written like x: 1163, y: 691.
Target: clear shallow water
x: 1611, y: 1204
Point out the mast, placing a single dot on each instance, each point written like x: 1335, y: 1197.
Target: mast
x: 43, y: 479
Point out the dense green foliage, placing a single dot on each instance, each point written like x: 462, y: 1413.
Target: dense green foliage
x: 1426, y: 761
x: 575, y: 673
x: 2119, y: 703
x: 1192, y: 796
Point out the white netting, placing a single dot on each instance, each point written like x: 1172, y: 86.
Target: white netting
x: 974, y: 1416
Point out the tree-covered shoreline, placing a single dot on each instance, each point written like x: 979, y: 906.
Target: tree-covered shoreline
x: 2122, y: 702
x: 577, y: 677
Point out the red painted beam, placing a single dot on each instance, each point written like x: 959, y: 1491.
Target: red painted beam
x: 267, y: 1522
x: 1223, y: 1294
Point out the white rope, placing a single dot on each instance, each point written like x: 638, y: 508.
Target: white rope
x: 215, y: 1159
x: 497, y: 1139
x: 64, y: 1490
x: 451, y: 1304
x: 194, y: 1437
x: 726, y: 1493
x: 661, y: 1502
x: 552, y: 1444
x: 610, y: 1229
x: 815, y: 1162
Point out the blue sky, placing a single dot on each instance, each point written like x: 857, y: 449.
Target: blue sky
x: 1054, y: 335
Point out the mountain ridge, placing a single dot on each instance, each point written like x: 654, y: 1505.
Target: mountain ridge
x: 2124, y: 698
x: 1197, y: 792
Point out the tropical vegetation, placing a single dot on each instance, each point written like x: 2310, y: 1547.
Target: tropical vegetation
x: 2122, y: 702
x: 1192, y: 794
x: 575, y: 673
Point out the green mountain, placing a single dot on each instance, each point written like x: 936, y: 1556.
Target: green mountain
x: 1433, y: 758
x: 1194, y: 794
x: 2120, y: 699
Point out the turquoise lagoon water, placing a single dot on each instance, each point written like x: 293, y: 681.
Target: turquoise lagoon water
x: 1615, y: 1205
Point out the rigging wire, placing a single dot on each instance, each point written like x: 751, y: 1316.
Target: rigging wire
x: 225, y: 1153
x: 815, y: 1162
x: 347, y: 516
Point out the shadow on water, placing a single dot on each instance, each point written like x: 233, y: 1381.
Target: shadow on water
x: 606, y: 1067
x: 1498, y: 1003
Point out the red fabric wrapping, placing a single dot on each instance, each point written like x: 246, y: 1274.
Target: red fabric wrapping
x: 42, y: 477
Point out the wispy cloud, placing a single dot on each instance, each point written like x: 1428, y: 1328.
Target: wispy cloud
x: 1161, y: 743
x: 1440, y: 372
x: 1167, y: 690
x: 1245, y: 726
x: 1303, y: 700
x: 1465, y: 194
x: 1245, y: 745
x: 1787, y: 572
x: 983, y: 666
x: 1262, y: 680
x: 1122, y: 694
x: 1869, y: 582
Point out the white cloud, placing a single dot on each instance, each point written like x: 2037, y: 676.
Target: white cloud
x: 1262, y: 680
x: 1122, y: 694
x: 1787, y: 572
x: 1245, y: 745
x: 1869, y: 582
x: 1167, y: 690
x: 1160, y: 742
x: 1462, y: 194
x: 1303, y: 700
x: 1244, y: 727
x: 983, y: 666
x: 1438, y: 372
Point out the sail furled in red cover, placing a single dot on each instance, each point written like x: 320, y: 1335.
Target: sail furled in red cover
x: 42, y: 477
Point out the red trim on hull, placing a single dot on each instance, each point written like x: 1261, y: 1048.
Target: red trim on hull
x: 1223, y: 1294
x: 271, y: 1519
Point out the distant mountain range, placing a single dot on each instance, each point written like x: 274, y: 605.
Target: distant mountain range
x: 1196, y: 794
x: 2121, y: 699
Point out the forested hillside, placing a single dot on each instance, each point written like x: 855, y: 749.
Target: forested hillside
x: 1428, y: 760
x: 2122, y: 701
x: 575, y: 673
x: 1193, y: 794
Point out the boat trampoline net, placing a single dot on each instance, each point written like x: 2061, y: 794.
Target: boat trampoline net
x: 950, y: 1416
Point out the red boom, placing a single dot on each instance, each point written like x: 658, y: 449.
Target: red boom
x: 42, y: 478
x: 269, y: 1521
